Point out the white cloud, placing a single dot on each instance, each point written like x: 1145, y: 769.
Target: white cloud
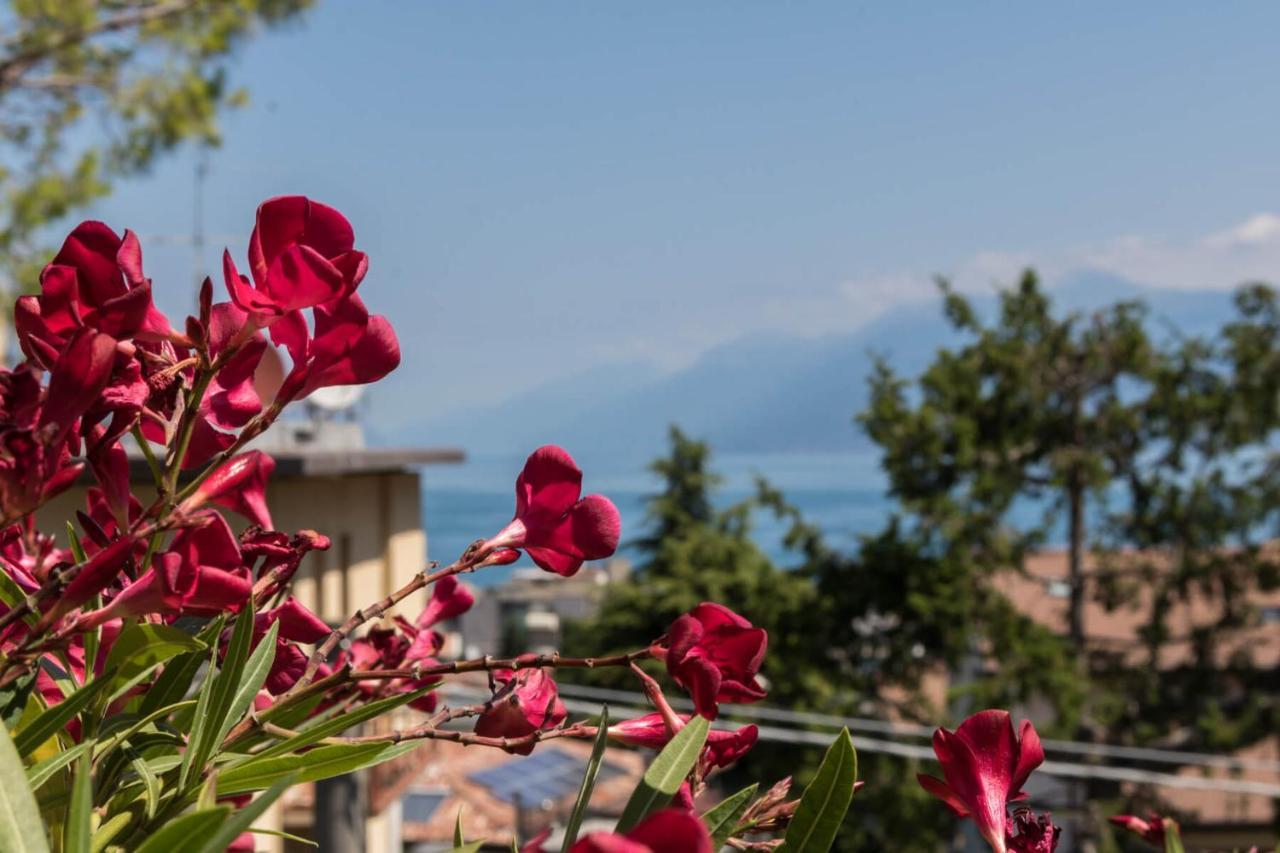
x: 1222, y: 260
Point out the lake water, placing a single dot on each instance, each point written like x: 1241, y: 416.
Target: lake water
x: 843, y: 493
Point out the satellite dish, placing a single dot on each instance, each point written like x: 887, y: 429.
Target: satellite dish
x: 336, y: 398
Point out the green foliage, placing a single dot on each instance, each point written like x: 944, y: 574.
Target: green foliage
x: 667, y: 772
x: 20, y: 827
x: 94, y: 91
x: 1152, y: 458
x: 825, y: 801
x: 580, y: 805
x: 722, y: 818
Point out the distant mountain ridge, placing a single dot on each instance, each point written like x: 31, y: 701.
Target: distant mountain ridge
x: 765, y: 392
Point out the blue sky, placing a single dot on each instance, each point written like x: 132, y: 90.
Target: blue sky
x: 545, y: 188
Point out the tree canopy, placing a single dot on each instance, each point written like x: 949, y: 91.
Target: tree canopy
x: 93, y: 90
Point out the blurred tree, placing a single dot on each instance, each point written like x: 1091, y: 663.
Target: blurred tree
x: 1153, y: 461
x: 91, y: 90
x: 694, y: 553
x: 1155, y: 464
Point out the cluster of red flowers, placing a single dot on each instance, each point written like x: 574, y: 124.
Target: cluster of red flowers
x: 102, y: 363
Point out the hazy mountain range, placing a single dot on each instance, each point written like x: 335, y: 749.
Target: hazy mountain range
x: 763, y: 392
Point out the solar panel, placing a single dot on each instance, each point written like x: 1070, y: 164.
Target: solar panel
x: 548, y: 774
x: 419, y: 806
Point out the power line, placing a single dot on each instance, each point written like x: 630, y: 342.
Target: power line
x: 1061, y: 769
x: 865, y: 724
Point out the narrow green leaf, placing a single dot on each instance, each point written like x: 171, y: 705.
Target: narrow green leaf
x: 824, y: 803
x: 152, y: 787
x: 56, y: 718
x: 110, y: 828
x: 457, y: 830
x: 471, y: 847
x: 173, y: 683
x: 178, y: 833
x: 281, y: 834
x: 668, y: 771
x: 252, y: 677
x: 144, y: 645
x: 722, y: 818
x: 77, y: 836
x: 138, y: 725
x: 313, y: 765
x: 1172, y: 838
x: 216, y: 698
x: 12, y: 595
x: 208, y: 796
x: 199, y: 720
x: 14, y: 695
x: 588, y: 782
x: 342, y: 722
x: 20, y: 828
x: 242, y: 818
x: 43, y: 772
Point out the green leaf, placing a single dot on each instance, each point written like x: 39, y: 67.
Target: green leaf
x: 457, y: 830
x: 143, y: 645
x: 240, y: 821
x: 281, y: 834
x: 14, y: 695
x: 342, y: 722
x: 20, y: 828
x: 43, y: 772
x: 152, y: 787
x: 668, y: 771
x: 217, y: 695
x: 1172, y: 837
x: 824, y: 803
x: 139, y: 724
x: 588, y: 782
x: 722, y: 818
x: 313, y: 765
x: 178, y: 833
x: 471, y: 847
x: 253, y: 677
x: 12, y: 595
x: 56, y: 718
x: 173, y: 683
x: 110, y: 828
x: 204, y: 702
x: 77, y: 837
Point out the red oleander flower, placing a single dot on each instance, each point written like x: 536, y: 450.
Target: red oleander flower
x: 164, y: 588
x: 723, y: 747
x: 715, y: 654
x: 671, y: 830
x: 349, y: 347
x: 36, y: 424
x: 526, y: 702
x: 94, y: 281
x: 301, y: 254
x: 240, y: 485
x: 297, y: 625
x: 1032, y: 833
x: 557, y: 528
x: 281, y: 555
x: 449, y: 599
x: 201, y: 573
x: 1152, y: 830
x: 985, y: 764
